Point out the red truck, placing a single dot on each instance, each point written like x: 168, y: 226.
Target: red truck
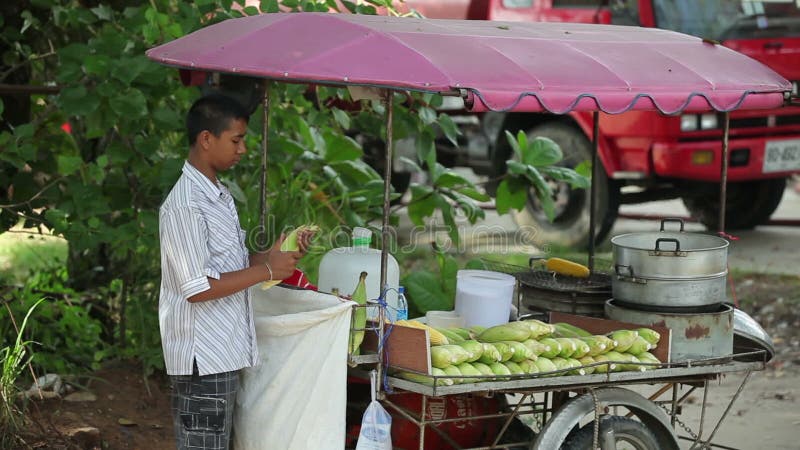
x: 648, y: 156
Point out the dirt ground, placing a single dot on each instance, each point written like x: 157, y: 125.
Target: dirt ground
x: 128, y: 416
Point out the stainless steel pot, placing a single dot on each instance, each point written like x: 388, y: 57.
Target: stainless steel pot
x: 670, y: 270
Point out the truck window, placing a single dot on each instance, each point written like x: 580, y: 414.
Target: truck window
x: 729, y: 19
x: 623, y: 12
x: 517, y: 4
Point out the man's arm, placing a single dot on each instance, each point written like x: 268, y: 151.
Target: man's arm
x: 270, y: 265
x: 231, y: 283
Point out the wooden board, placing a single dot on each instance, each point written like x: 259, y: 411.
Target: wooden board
x: 406, y: 348
x: 602, y: 326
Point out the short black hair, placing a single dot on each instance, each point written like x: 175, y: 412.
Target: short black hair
x: 213, y: 113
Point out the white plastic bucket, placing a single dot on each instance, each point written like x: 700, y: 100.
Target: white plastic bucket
x: 484, y: 297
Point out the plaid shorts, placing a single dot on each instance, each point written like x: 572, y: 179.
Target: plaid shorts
x: 202, y: 409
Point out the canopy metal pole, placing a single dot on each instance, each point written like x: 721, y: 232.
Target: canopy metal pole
x: 262, y: 216
x: 593, y: 189
x: 387, y: 189
x: 725, y: 162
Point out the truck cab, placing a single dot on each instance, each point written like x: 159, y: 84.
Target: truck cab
x: 647, y: 155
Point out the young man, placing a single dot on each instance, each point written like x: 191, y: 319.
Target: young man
x: 205, y: 313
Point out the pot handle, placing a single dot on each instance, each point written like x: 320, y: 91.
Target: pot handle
x: 618, y: 268
x: 672, y: 219
x: 673, y: 240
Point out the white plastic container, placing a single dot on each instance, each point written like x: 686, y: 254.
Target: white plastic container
x: 341, y: 267
x: 444, y: 319
x: 484, y: 297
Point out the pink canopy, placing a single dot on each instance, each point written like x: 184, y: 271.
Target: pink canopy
x: 499, y: 66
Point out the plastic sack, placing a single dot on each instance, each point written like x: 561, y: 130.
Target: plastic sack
x: 297, y: 398
x: 376, y: 426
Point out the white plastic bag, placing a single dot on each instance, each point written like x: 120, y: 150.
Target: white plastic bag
x: 297, y: 398
x: 376, y: 426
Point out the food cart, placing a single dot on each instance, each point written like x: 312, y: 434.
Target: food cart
x: 501, y: 66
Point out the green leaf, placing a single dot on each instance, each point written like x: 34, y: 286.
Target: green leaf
x: 127, y: 69
x: 103, y: 12
x: 584, y: 169
x: 542, y: 151
x: 287, y: 145
x: 516, y: 167
x: 425, y: 293
x: 474, y: 194
x: 427, y: 115
x: 512, y: 141
x: 543, y: 192
x: 342, y: 118
x: 67, y: 165
x: 511, y: 193
x: 96, y: 65
x: 449, y: 178
x: 341, y: 148
x: 425, y: 147
x: 448, y: 271
x: 351, y: 6
x: 403, y: 160
x: 76, y: 101
x: 567, y: 175
x: 2, y: 107
x: 131, y: 104
x: 269, y: 6
x: 24, y: 131
x: 422, y: 204
x: 251, y: 11
x: 449, y: 128
x: 449, y: 219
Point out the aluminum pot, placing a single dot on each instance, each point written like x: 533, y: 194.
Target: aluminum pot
x: 670, y: 270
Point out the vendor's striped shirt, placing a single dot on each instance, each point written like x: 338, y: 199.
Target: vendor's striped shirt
x: 200, y: 238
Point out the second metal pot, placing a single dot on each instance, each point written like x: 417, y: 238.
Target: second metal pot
x: 669, y: 254
x: 671, y: 270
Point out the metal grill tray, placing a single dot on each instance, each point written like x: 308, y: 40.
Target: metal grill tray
x: 596, y: 283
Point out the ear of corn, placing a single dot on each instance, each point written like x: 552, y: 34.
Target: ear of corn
x: 359, y: 315
x: 290, y: 244
x: 514, y: 331
x: 435, y: 336
x: 649, y: 335
x: 564, y: 267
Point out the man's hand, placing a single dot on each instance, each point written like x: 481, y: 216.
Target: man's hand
x: 282, y: 263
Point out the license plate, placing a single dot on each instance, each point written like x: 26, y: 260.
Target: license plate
x: 780, y: 156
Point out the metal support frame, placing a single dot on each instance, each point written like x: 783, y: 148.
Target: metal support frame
x: 726, y: 126
x: 387, y: 188
x: 262, y: 201
x: 593, y: 190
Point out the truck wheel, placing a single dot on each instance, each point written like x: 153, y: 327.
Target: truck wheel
x: 749, y: 203
x: 616, y: 433
x: 571, y: 224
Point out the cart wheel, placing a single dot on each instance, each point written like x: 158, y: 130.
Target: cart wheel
x: 616, y: 433
x: 555, y: 432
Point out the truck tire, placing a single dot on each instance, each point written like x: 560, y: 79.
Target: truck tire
x: 748, y: 204
x: 613, y: 429
x: 571, y: 225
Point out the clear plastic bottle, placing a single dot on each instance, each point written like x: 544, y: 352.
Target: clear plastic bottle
x: 402, y: 304
x: 340, y: 268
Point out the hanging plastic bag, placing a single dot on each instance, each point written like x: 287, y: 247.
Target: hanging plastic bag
x: 376, y: 426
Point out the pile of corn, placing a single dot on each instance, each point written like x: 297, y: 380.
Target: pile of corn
x: 477, y: 354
